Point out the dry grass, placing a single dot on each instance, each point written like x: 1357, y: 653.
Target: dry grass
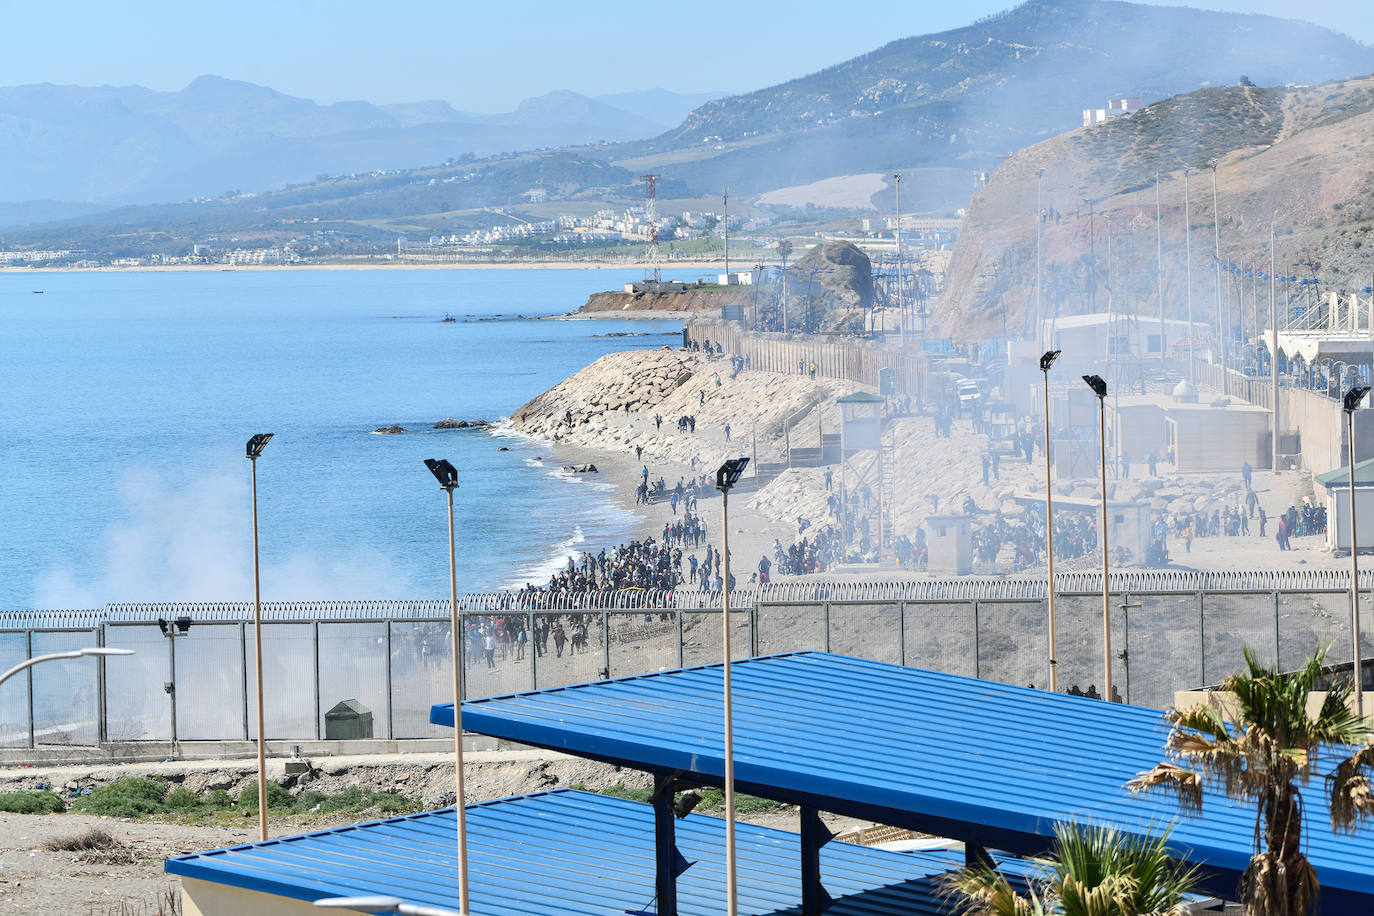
x: 94, y: 846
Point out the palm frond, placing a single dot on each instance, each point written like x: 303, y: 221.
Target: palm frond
x: 984, y: 891
x: 1352, y: 794
x: 1185, y: 784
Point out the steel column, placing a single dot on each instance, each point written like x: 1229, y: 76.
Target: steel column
x: 668, y: 862
x: 814, y: 835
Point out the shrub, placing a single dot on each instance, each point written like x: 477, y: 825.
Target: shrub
x: 128, y: 796
x: 182, y: 799
x: 42, y: 802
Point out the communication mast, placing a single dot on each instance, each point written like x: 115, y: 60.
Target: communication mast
x: 651, y: 272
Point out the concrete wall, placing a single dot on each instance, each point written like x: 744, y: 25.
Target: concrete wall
x: 1220, y: 439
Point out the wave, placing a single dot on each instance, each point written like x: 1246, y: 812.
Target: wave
x: 538, y: 573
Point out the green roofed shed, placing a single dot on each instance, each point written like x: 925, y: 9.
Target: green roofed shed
x: 1340, y: 477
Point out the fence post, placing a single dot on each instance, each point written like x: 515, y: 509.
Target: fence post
x: 1278, y: 643
x: 102, y: 727
x: 606, y: 641
x: 243, y: 656
x: 316, y: 629
x: 1202, y: 641
x: 901, y: 631
x: 28, y: 653
x: 977, y: 655
x: 534, y: 652
x: 678, y: 613
x: 390, y: 711
x: 827, y: 626
x: 172, y: 671
x: 753, y: 632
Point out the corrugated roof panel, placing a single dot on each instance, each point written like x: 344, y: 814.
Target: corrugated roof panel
x: 568, y: 852
x: 907, y: 746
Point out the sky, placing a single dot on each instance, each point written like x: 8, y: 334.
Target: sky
x: 489, y: 56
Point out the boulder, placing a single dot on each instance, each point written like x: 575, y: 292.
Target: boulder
x: 390, y: 430
x: 837, y: 274
x: 450, y: 423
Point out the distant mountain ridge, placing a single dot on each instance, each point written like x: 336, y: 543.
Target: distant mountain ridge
x: 128, y: 144
x: 969, y: 95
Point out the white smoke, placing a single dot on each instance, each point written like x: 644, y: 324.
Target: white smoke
x: 192, y: 541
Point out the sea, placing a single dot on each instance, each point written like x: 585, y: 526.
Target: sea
x: 129, y: 397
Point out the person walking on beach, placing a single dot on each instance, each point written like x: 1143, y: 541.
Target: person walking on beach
x: 658, y: 422
x: 560, y: 637
x: 639, y: 452
x: 489, y: 648
x: 1246, y: 472
x: 1153, y: 461
x: 727, y: 432
x: 1262, y: 519
x: 1188, y: 539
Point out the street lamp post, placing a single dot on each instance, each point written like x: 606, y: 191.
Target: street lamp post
x: 726, y: 478
x: 254, y: 451
x: 1353, y: 397
x: 1099, y: 388
x: 447, y: 475
x: 56, y: 656
x: 901, y: 313
x: 1046, y: 362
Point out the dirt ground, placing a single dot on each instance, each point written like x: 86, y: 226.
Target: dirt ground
x: 130, y: 881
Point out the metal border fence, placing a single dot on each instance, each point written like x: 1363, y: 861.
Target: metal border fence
x: 1172, y: 630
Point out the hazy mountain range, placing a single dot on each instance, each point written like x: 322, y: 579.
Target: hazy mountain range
x: 958, y: 99
x: 127, y: 144
x: 970, y: 95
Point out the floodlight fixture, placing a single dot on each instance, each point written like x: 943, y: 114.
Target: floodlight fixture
x: 1097, y: 384
x: 444, y: 472
x: 257, y: 444
x: 1354, y: 396
x: 729, y: 473
x: 1048, y: 359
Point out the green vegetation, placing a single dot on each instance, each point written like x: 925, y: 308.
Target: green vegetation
x: 43, y: 802
x: 1262, y: 758
x: 1093, y: 871
x: 138, y: 797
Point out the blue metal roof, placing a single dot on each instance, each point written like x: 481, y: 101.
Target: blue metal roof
x: 568, y: 852
x: 953, y: 756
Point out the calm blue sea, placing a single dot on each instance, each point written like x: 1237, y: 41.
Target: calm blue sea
x: 129, y: 397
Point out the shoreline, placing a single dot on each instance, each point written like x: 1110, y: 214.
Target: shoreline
x: 369, y: 265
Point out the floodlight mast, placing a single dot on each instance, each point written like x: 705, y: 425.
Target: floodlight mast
x: 254, y: 451
x: 1099, y: 388
x: 447, y: 475
x: 1052, y: 647
x: 726, y: 477
x: 1353, y: 397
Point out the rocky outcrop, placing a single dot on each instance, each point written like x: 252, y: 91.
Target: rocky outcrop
x: 450, y: 423
x: 839, y: 274
x: 688, y: 300
x: 392, y: 430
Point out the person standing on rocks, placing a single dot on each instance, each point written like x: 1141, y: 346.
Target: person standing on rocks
x: 727, y: 432
x: 658, y: 422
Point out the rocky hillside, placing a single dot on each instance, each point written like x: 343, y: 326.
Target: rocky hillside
x: 688, y: 300
x: 1295, y: 156
x: 968, y: 95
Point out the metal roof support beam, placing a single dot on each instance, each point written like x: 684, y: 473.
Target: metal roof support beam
x: 666, y: 857
x: 814, y: 835
x: 976, y: 856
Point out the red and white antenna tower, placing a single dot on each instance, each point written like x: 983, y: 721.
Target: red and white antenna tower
x: 651, y: 272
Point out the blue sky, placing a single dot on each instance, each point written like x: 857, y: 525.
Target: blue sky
x: 488, y: 56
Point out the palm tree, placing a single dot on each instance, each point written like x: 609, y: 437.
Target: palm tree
x: 1093, y: 871
x: 1263, y: 757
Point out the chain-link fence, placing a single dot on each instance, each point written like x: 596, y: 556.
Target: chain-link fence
x: 198, y: 683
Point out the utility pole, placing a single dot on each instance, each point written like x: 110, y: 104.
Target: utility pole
x: 1159, y: 273
x: 1092, y: 258
x: 1188, y: 277
x: 901, y: 313
x: 725, y: 204
x: 1216, y: 261
x: 1273, y: 352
